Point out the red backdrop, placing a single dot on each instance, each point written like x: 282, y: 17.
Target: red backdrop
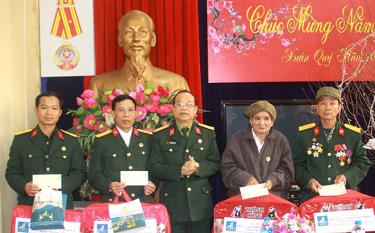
x: 288, y: 40
x: 177, y: 32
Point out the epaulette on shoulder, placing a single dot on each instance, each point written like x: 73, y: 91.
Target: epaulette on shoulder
x: 161, y: 128
x: 69, y: 133
x: 23, y: 131
x: 307, y: 126
x: 145, y: 131
x: 103, y: 134
x: 353, y: 128
x: 207, y: 126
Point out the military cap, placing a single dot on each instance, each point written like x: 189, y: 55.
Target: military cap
x: 328, y: 91
x: 260, y: 106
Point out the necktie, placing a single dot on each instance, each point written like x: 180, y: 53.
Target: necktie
x: 184, y: 135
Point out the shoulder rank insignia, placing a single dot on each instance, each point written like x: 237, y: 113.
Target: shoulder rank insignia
x: 207, y: 126
x: 103, y: 134
x: 145, y: 131
x: 307, y: 126
x: 161, y: 128
x: 23, y: 131
x: 353, y: 128
x: 69, y: 133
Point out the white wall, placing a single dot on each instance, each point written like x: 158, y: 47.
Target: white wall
x: 20, y: 83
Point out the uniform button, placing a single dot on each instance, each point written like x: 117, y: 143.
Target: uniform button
x: 143, y: 153
x: 201, y: 148
x: 64, y: 156
x: 130, y: 167
x: 114, y: 155
x: 188, y: 176
x: 329, y: 165
x: 166, y: 194
x: 128, y: 154
x: 329, y: 154
x: 30, y: 156
x: 47, y: 142
x: 133, y: 195
x: 48, y: 169
x: 187, y: 150
x: 170, y: 150
x: 109, y: 199
x: 46, y: 156
x: 189, y: 189
x: 329, y: 179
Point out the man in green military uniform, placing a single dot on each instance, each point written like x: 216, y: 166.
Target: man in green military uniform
x: 183, y: 156
x: 45, y: 150
x: 329, y: 152
x: 124, y: 148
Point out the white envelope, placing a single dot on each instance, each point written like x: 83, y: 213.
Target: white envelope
x: 134, y: 178
x: 332, y: 189
x: 252, y: 191
x: 52, y: 181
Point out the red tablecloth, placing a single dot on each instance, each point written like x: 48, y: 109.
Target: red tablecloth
x: 254, y: 208
x: 352, y: 200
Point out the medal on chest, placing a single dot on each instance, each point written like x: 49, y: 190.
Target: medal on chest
x: 343, y: 154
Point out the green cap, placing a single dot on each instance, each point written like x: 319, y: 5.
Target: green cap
x: 328, y: 91
x: 261, y: 106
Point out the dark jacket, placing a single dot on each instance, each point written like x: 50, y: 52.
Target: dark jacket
x: 33, y: 153
x: 241, y: 161
x: 187, y: 198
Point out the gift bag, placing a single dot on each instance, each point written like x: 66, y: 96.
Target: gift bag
x: 95, y: 217
x: 127, y: 216
x: 48, y: 210
x: 21, y: 216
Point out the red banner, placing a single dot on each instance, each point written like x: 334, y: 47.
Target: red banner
x: 290, y: 40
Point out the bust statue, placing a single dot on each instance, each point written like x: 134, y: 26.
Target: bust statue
x: 136, y: 37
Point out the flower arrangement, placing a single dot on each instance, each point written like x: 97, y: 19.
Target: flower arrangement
x: 291, y: 223
x: 94, y: 115
x: 153, y: 107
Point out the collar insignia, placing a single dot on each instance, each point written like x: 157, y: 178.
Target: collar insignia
x: 171, y: 132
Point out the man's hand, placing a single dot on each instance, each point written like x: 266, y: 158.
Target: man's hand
x: 116, y: 187
x: 149, y: 188
x: 314, y: 185
x: 269, y: 184
x: 189, y: 167
x: 340, y: 178
x: 31, y: 189
x: 252, y: 181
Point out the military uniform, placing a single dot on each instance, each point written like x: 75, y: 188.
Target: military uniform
x: 315, y: 158
x: 111, y: 156
x: 187, y: 198
x: 32, y: 152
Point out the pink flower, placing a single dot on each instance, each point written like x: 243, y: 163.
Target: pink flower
x: 210, y: 4
x: 140, y: 98
x: 133, y: 94
x: 89, y: 103
x: 141, y: 113
x: 139, y: 88
x: 88, y: 93
x: 163, y: 92
x: 79, y: 101
x: 89, y: 122
x: 228, y: 5
x: 164, y: 109
x: 154, y: 98
x: 117, y: 92
x: 78, y: 128
x: 75, y: 121
x: 107, y: 108
x: 110, y: 98
x: 150, y: 107
x: 100, y: 126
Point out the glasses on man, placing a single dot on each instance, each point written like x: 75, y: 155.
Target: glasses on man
x: 182, y: 104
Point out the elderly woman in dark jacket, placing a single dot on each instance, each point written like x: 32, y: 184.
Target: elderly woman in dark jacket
x: 259, y: 154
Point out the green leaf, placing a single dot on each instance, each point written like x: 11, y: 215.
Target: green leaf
x: 80, y: 111
x: 98, y: 113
